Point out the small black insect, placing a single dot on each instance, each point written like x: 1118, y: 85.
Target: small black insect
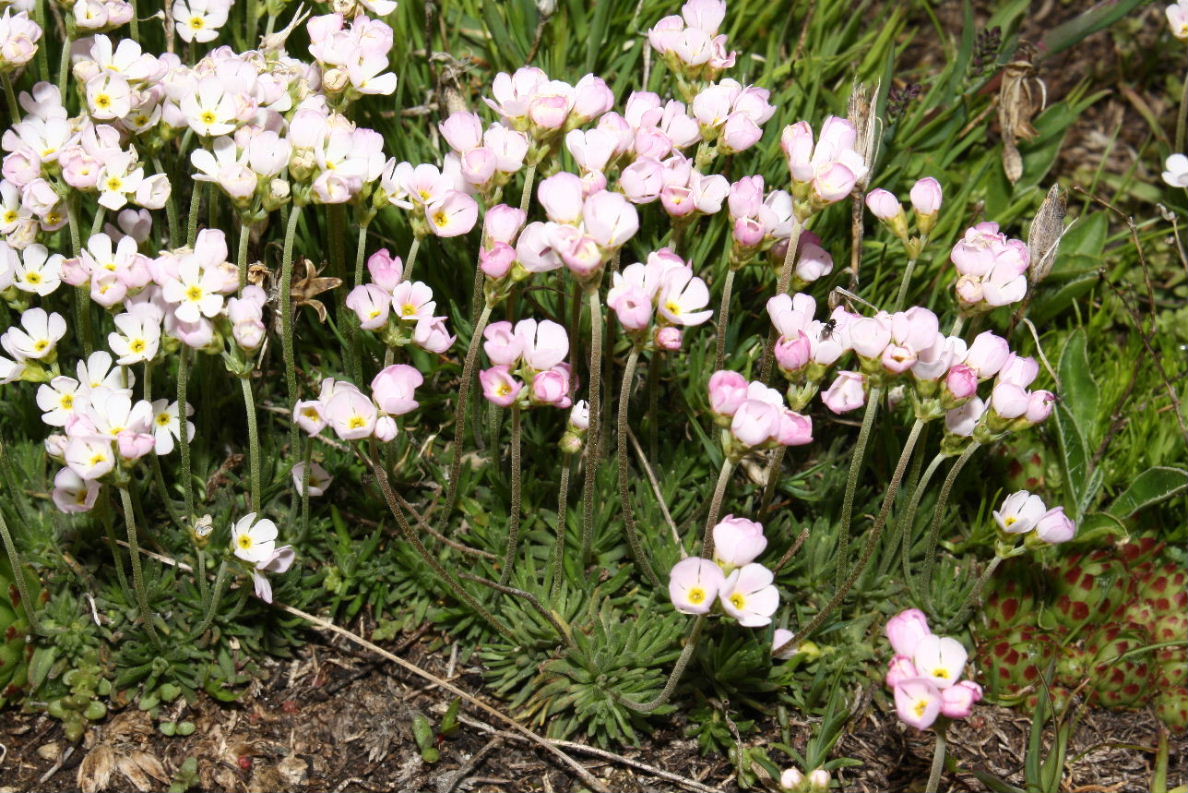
x: 828, y: 328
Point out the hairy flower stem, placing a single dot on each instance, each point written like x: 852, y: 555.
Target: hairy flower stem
x: 304, y: 530
x: 64, y: 59
x: 513, y: 521
x: 593, y: 435
x: 562, y: 525
x: 461, y: 409
x: 411, y: 536
x: 352, y: 322
x: 904, y: 283
x: 908, y: 521
x: 14, y: 109
x: 774, y: 471
x: 1182, y: 119
x: 411, y: 259
x: 526, y: 195
x: 183, y: 441
x: 286, y: 304
x: 633, y: 541
x: 938, y: 762
x: 170, y: 208
x: 655, y: 364
x: 18, y: 570
x: 242, y: 251
x: 674, y: 677
x: 868, y: 550
x: 843, y: 538
x: 215, y: 595
x: 707, y: 541
x: 137, y: 572
x: 783, y: 286
x: 158, y: 475
x: 195, y: 207
x: 974, y: 599
x: 938, y: 515
x: 724, y: 319
x: 249, y: 407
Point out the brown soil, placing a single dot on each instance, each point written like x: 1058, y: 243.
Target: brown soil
x: 335, y: 719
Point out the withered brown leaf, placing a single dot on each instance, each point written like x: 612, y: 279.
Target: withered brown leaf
x: 1020, y: 97
x: 306, y: 290
x: 1043, y: 238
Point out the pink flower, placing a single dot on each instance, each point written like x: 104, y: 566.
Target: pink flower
x: 503, y: 224
x: 453, y: 215
x: 961, y: 382
x: 551, y: 387
x: 869, y: 336
x: 633, y: 306
x: 793, y: 354
x: 609, y: 219
x: 534, y: 248
x: 1009, y: 401
x: 727, y: 391
x: 755, y: 423
x: 497, y: 261
x: 987, y: 354
x: 693, y: 585
x: 393, y: 389
x: 412, y: 300
x: 794, y: 429
x: 1019, y: 370
x: 926, y: 196
x: 1020, y: 512
x: 669, y: 338
x: 848, y: 392
x: 883, y: 204
x: 591, y: 98
x: 962, y: 420
x: 900, y: 669
x: 1055, y: 527
x: 749, y: 596
x: 431, y: 334
x: 1039, y: 406
x: 918, y: 702
x: 371, y: 304
x: 543, y: 344
x: 940, y: 659
x: 350, y: 414
x: 561, y: 197
x: 499, y: 387
x: 463, y: 131
x: 812, y: 261
x: 957, y: 701
x: 737, y: 541
x: 501, y: 343
x: 906, y: 629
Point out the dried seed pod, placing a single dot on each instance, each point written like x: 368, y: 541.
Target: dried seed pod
x: 1043, y: 238
x: 1020, y: 97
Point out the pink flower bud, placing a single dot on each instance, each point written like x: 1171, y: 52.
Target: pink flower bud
x: 737, y: 541
x: 793, y: 354
x: 961, y: 382
x: 987, y: 354
x: 496, y: 262
x: 926, y: 196
x: 1009, y: 401
x: 502, y: 223
x: 561, y: 197
x: 1055, y: 527
x: 551, y: 387
x: 739, y: 133
x: 393, y: 389
x: 797, y: 143
x: 813, y: 261
x: 848, y: 392
x: 957, y: 701
x: 1019, y: 370
x: 883, y: 204
x: 385, y: 429
x: 501, y: 343
x: 900, y: 669
x: 463, y: 131
x: 591, y: 98
x: 633, y: 306
x: 748, y: 232
x: 906, y: 629
x: 727, y: 390
x: 669, y: 338
x: 961, y: 421
x: 794, y: 429
x: 1039, y: 406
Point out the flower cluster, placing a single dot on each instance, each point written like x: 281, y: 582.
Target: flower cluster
x: 1011, y: 406
x: 664, y: 286
x: 487, y: 158
x: 529, y: 366
x: 991, y: 268
x: 826, y: 170
x: 691, y: 44
x: 402, y: 310
x: 755, y: 415
x: 742, y: 588
x: 1022, y: 513
x: 352, y: 58
x: 354, y: 415
x: 528, y: 101
x: 32, y: 345
x: 926, y: 196
x: 104, y: 430
x: 793, y: 780
x: 18, y: 40
x: 254, y: 542
x: 925, y: 673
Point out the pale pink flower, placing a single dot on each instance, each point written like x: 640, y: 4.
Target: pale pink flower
x: 749, y: 596
x: 694, y: 584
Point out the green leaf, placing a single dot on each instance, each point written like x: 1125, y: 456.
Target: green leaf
x: 1100, y: 17
x: 1150, y: 487
x: 1079, y: 392
x: 1074, y: 458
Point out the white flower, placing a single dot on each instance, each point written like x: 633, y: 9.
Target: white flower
x: 99, y: 371
x: 138, y: 339
x: 1019, y: 513
x: 199, y: 20
x: 940, y: 659
x: 253, y: 541
x: 195, y: 290
x: 749, y: 596
x: 57, y: 398
x: 1176, y: 170
x: 37, y: 337
x: 90, y: 457
x: 38, y: 272
x: 167, y: 425
x: 319, y: 478
x: 119, y: 177
x: 211, y: 109
x: 108, y: 96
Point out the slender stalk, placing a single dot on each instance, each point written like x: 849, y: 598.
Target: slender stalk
x: 14, y: 108
x: 974, y: 599
x: 843, y: 546
x: 351, y: 321
x: 562, y: 524
x: 938, y: 762
x: 216, y: 596
x: 411, y: 536
x: 655, y: 364
x: 461, y: 409
x: 633, y: 540
x: 64, y: 59
x: 192, y: 218
x: 908, y: 521
x: 783, y: 286
x: 249, y: 407
x: 183, y: 441
x: 872, y: 542
x: 43, y: 69
x: 674, y: 677
x: 286, y: 303
x: 137, y: 572
x: 513, y: 523
x: 253, y: 22
x: 109, y: 530
x: 411, y: 259
x: 792, y: 550
x: 526, y: 195
x: 170, y: 209
x: 242, y: 250
x: 82, y: 297
x: 958, y: 324
x: 18, y: 572
x: 158, y: 475
x: 1182, y: 119
x: 724, y: 319
x: 904, y: 283
x: 593, y: 434
x: 134, y: 23
x: 304, y: 531
x: 774, y: 470
x: 97, y: 222
x: 939, y: 514
x: 707, y: 542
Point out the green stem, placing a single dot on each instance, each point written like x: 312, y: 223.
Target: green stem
x: 724, y: 319
x: 513, y: 523
x: 843, y: 546
x: 562, y: 526
x: 183, y: 441
x: 192, y: 219
x: 526, y: 193
x: 938, y: 762
x: 908, y: 522
x: 305, y: 491
x: 448, y: 578
x: 253, y: 22
x: 974, y: 599
x: 43, y: 69
x: 14, y: 107
x: 286, y: 305
x: 462, y: 408
x: 411, y: 259
x: 872, y: 542
x: 134, y: 23
x: 216, y: 596
x: 18, y: 572
x: 774, y: 471
x: 707, y: 541
x: 783, y: 286
x: 674, y: 677
x: 137, y: 572
x: 654, y: 365
x: 97, y: 221
x: 242, y: 252
x: 904, y: 283
x: 352, y: 322
x: 939, y: 514
x: 249, y: 406
x: 595, y: 430
x: 64, y: 59
x: 1182, y: 119
x: 170, y: 209
x: 633, y: 539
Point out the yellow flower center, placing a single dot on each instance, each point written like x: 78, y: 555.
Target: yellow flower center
x: 209, y: 117
x: 245, y: 541
x: 441, y: 219
x: 41, y: 344
x: 408, y: 310
x: 138, y: 346
x: 67, y: 402
x: 310, y: 413
x: 943, y: 674
x: 103, y: 101
x: 357, y: 422
x: 194, y: 293
x: 673, y: 307
x: 503, y: 389
x: 114, y: 183
x: 33, y: 278
x: 1011, y: 521
x: 697, y: 596
x: 163, y: 419
x: 197, y: 23
x: 11, y: 216
x: 738, y: 600
x: 920, y: 707
x: 98, y: 457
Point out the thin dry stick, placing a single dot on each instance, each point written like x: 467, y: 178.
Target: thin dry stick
x: 643, y: 461
x: 791, y: 553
